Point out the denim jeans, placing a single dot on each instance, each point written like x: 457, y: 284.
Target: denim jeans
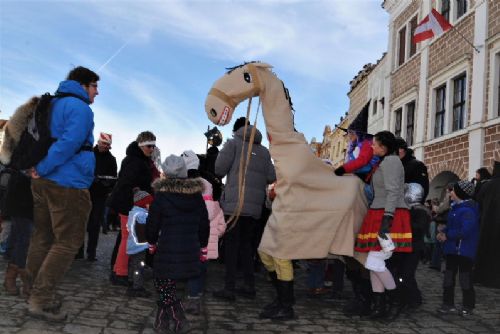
x: 316, y: 273
x: 19, y: 240
x: 437, y: 255
x: 196, y: 285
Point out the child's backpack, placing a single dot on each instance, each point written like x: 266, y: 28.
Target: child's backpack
x: 36, y: 138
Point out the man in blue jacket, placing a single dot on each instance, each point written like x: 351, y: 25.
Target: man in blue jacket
x: 60, y: 183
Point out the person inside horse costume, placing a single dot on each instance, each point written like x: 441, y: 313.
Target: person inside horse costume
x: 315, y: 212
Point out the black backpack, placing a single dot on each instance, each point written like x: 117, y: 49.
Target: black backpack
x: 36, y: 138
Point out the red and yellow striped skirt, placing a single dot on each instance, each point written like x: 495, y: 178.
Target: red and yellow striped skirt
x: 400, y: 231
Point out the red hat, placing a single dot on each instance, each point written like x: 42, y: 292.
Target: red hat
x: 142, y: 198
x: 105, y: 138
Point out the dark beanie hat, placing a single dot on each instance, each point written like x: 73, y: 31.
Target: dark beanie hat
x: 464, y: 189
x: 401, y: 143
x: 240, y: 122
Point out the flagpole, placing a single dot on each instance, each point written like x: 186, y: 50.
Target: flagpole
x: 465, y: 39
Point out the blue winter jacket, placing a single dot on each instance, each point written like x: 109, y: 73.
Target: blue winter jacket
x: 137, y: 215
x: 462, y: 229
x: 72, y: 125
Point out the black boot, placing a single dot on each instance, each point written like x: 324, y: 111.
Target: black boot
x: 366, y: 297
x: 379, y: 306
x: 179, y: 322
x: 161, y: 321
x: 270, y: 308
x: 395, y: 304
x: 360, y: 305
x: 354, y: 305
x: 286, y: 301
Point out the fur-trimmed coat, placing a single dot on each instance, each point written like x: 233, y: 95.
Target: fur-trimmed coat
x: 15, y: 127
x: 178, y: 223
x: 19, y: 200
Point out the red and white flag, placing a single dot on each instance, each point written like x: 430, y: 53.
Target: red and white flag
x: 432, y: 25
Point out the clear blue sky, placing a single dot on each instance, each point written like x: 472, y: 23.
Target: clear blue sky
x: 158, y: 59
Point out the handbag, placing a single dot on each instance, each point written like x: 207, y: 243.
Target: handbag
x: 386, y: 244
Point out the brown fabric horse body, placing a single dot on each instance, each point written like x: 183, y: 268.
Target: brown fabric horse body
x: 315, y: 212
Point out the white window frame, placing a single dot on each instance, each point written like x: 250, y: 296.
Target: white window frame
x: 403, y: 102
x: 405, y: 113
x: 453, y: 10
x: 408, y: 39
x: 447, y: 76
x: 494, y: 81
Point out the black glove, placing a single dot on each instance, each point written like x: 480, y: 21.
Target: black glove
x: 385, y: 226
x: 340, y: 171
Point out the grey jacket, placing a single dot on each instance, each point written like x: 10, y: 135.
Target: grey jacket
x: 260, y: 173
x: 388, y: 185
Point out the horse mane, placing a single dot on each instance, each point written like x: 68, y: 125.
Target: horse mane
x: 230, y: 69
x: 287, y: 94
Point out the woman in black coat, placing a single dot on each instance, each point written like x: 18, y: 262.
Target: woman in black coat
x: 135, y: 172
x: 18, y: 207
x: 178, y: 224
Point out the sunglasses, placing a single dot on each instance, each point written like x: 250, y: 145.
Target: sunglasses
x: 150, y: 146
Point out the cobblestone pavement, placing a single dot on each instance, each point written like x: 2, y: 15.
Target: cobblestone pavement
x: 97, y: 307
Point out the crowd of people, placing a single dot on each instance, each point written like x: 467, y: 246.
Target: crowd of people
x: 172, y: 216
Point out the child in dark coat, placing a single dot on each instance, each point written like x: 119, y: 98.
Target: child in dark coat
x: 178, y: 223
x: 460, y: 239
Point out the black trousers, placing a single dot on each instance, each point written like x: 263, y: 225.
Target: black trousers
x: 238, y: 246
x: 94, y: 224
x: 462, y: 265
x: 403, y: 267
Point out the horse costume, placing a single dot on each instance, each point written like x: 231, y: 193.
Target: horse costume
x: 314, y: 212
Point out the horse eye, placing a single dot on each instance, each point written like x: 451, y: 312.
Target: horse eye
x: 213, y: 112
x: 247, y: 77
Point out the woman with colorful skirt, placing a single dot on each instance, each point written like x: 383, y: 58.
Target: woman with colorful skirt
x: 388, y: 218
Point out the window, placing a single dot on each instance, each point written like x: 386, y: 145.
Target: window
x: 410, y: 120
x: 397, y: 122
x: 459, y: 92
x: 402, y: 45
x: 445, y: 9
x: 461, y: 8
x: 440, y: 111
x: 413, y: 45
x: 498, y: 88
x: 375, y: 102
x: 406, y: 47
x: 452, y: 10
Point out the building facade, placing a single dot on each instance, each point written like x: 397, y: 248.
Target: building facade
x: 440, y: 95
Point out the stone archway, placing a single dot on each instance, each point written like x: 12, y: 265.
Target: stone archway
x: 437, y: 187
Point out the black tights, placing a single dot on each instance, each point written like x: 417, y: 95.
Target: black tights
x: 167, y: 292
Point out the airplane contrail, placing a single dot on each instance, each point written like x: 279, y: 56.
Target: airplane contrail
x: 114, y: 55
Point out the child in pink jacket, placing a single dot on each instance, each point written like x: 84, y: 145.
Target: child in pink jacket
x: 195, y: 286
x: 217, y: 222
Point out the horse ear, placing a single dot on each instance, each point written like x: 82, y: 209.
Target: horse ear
x: 263, y: 65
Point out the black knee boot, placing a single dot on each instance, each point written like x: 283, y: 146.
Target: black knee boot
x: 287, y: 299
x: 270, y: 308
x: 394, y: 304
x: 378, y: 305
x: 283, y: 309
